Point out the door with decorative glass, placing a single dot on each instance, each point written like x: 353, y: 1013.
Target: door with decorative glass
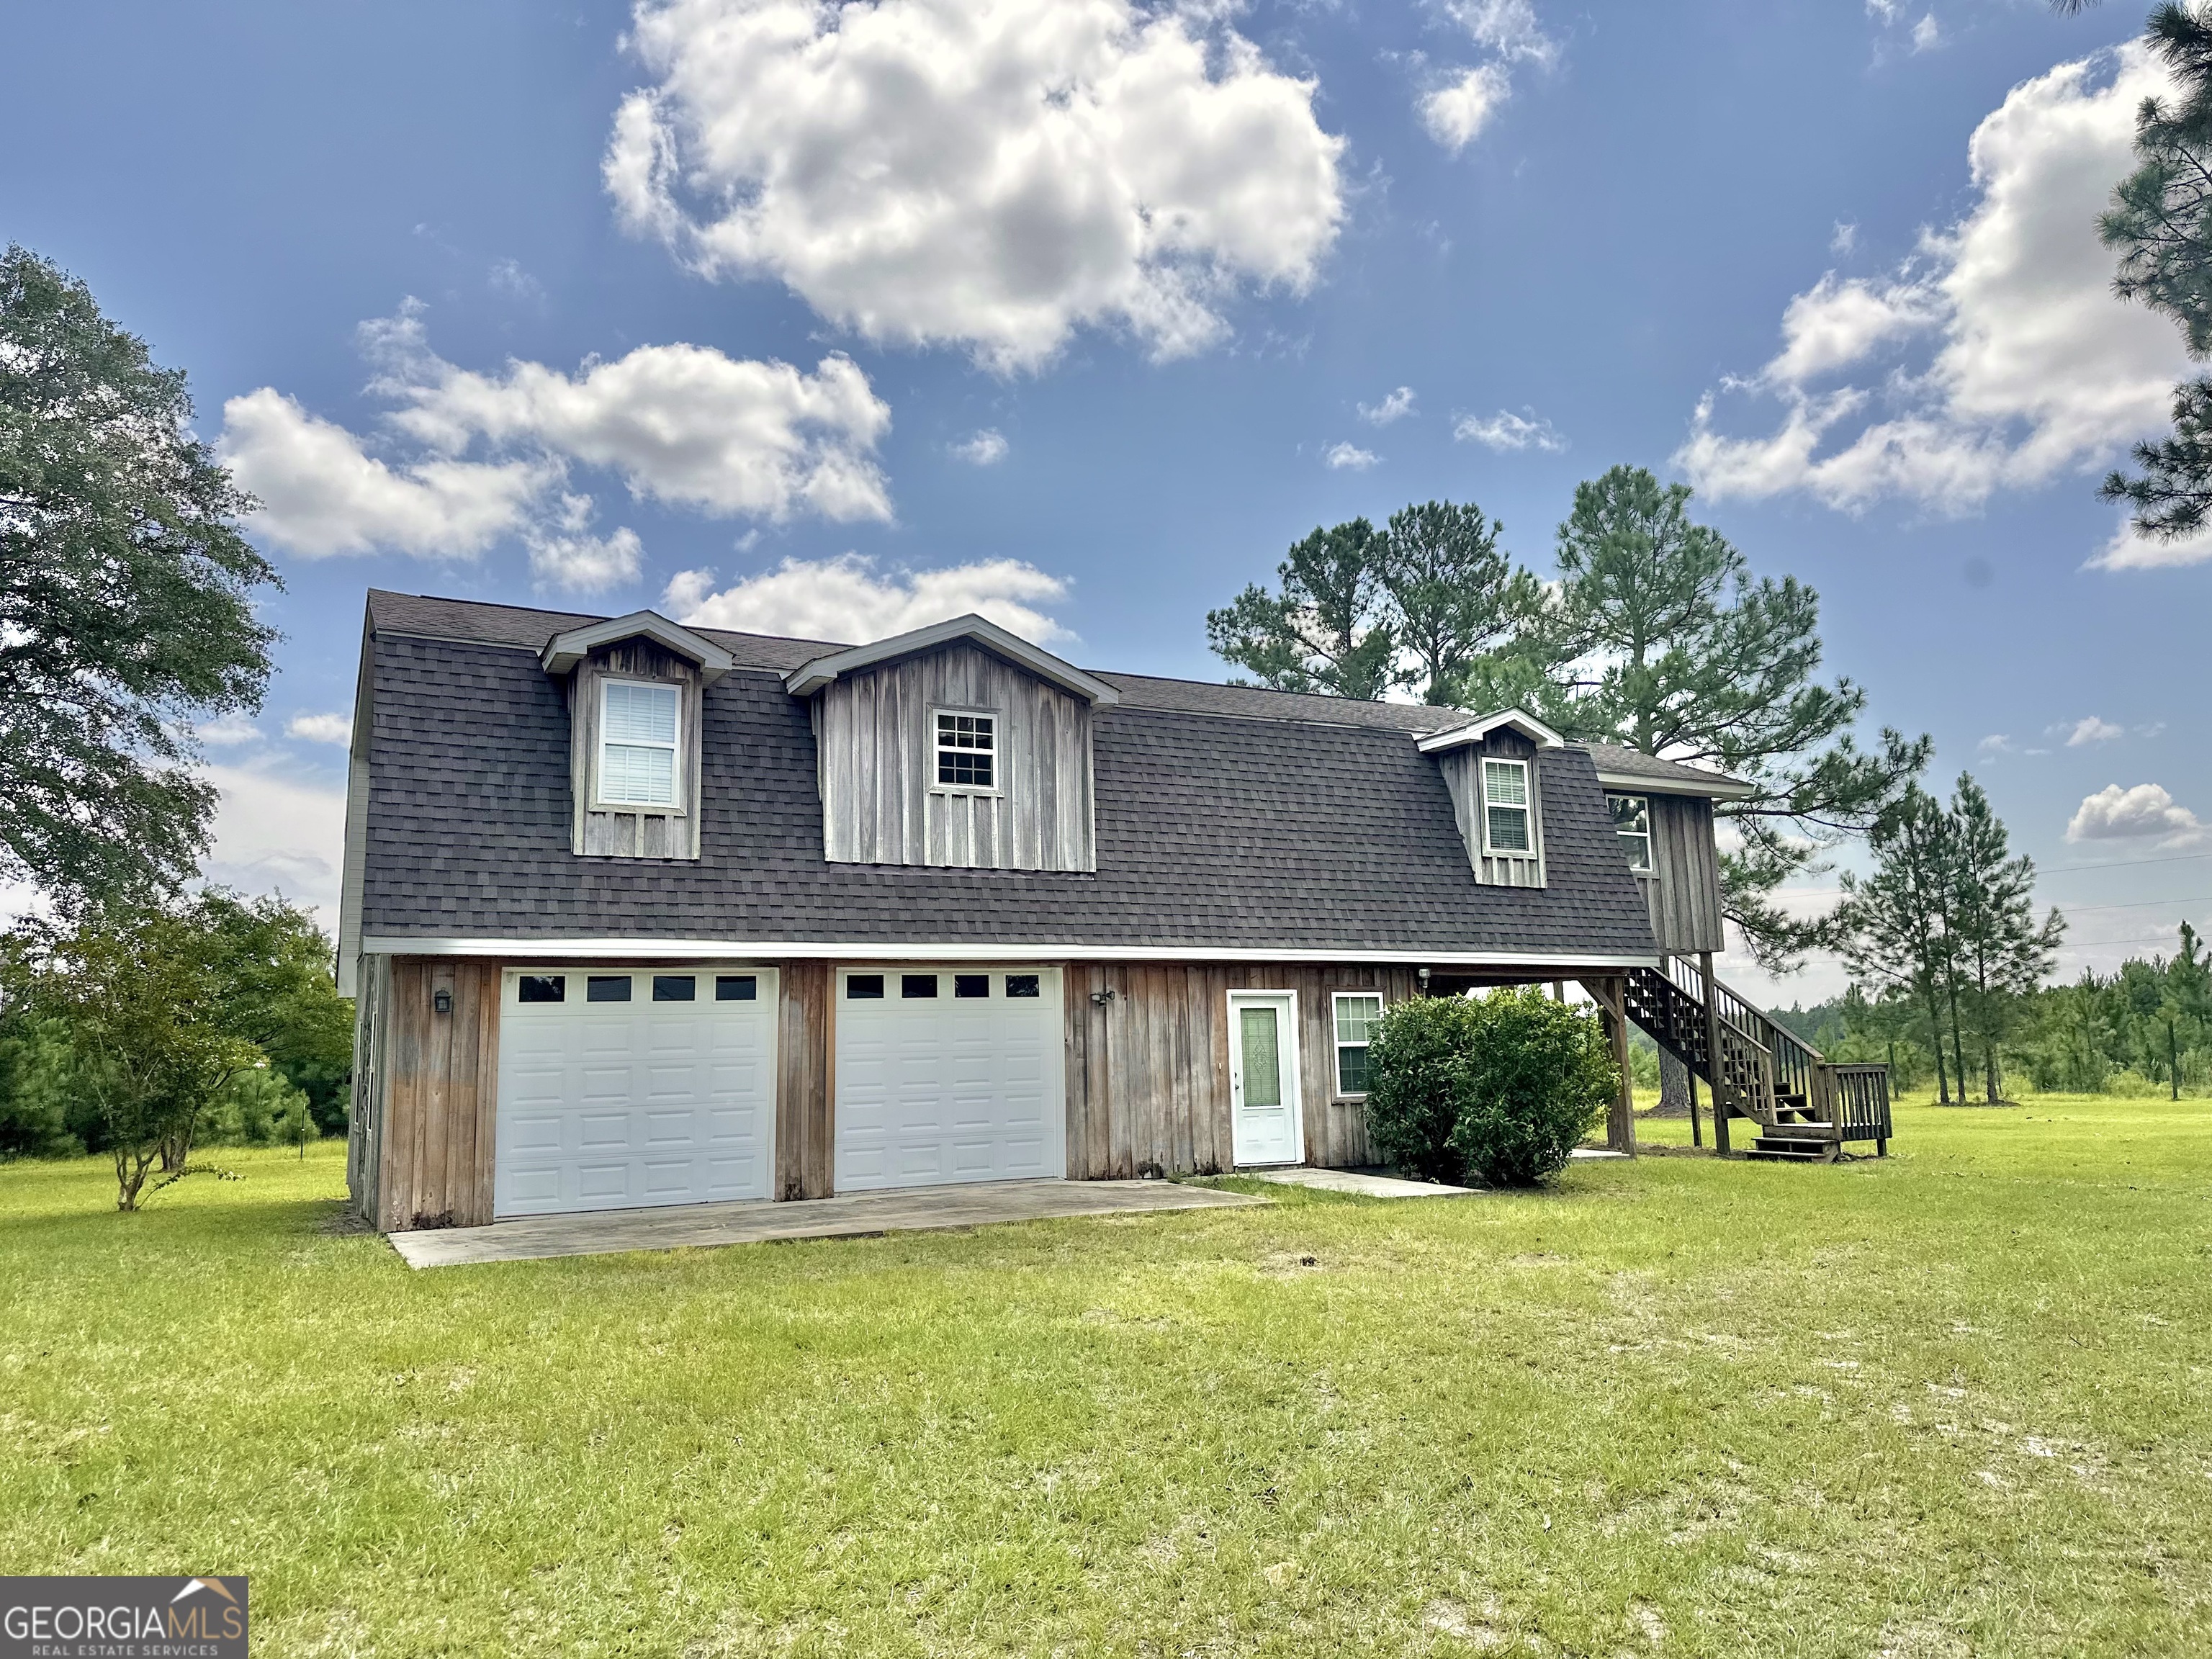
x: 1266, y: 1124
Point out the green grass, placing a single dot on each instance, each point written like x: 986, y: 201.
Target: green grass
x: 1954, y: 1403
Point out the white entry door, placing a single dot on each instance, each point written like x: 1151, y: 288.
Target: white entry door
x: 623, y: 1087
x: 949, y: 1074
x: 1267, y: 1125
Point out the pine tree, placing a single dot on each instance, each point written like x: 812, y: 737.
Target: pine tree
x: 1325, y: 629
x: 1660, y: 639
x: 2000, y: 952
x: 1458, y: 602
x: 1894, y: 927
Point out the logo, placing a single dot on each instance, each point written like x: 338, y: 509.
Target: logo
x: 122, y: 1617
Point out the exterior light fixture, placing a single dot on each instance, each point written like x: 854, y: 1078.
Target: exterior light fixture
x: 441, y: 1002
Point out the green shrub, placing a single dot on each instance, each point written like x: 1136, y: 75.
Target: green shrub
x: 1416, y: 1082
x: 1501, y: 1087
x: 1538, y: 1077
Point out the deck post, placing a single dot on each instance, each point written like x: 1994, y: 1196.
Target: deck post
x: 1621, y: 1122
x: 1713, y: 1051
x: 1697, y: 1135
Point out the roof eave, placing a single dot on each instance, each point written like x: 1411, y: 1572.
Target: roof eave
x: 1719, y: 788
x: 565, y: 650
x: 1517, y: 720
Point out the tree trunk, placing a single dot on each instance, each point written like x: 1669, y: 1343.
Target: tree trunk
x: 1958, y: 1046
x: 1935, y: 1041
x: 1674, y: 1087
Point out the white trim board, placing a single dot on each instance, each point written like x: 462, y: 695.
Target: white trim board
x: 565, y: 949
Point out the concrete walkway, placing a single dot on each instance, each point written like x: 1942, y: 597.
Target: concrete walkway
x: 605, y: 1232
x: 1365, y: 1183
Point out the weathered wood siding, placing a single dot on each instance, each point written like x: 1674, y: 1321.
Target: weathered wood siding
x: 440, y: 1087
x: 878, y: 760
x: 1148, y: 1070
x: 806, y: 1085
x: 638, y: 833
x: 1684, y: 888
x: 1462, y: 770
x: 364, y: 1119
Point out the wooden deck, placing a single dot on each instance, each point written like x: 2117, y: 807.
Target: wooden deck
x: 690, y: 1226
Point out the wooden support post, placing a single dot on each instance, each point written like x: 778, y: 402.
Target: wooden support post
x: 1558, y: 990
x: 1621, y: 1122
x: 1697, y: 1136
x: 1721, y: 1105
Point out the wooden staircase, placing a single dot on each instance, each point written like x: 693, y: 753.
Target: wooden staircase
x: 1807, y: 1109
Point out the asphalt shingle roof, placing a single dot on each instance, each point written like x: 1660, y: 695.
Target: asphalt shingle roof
x: 1227, y: 817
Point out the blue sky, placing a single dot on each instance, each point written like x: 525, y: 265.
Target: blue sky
x: 749, y: 311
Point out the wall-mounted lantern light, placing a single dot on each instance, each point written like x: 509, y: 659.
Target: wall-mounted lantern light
x: 441, y: 1002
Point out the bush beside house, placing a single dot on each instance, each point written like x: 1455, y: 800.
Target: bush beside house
x: 1500, y: 1088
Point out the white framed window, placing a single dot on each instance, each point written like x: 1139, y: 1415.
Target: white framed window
x: 965, y: 751
x: 640, y: 724
x: 1357, y: 1014
x: 1506, y: 830
x: 1632, y: 822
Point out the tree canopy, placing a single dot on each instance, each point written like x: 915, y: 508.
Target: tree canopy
x: 126, y: 600
x: 2160, y: 225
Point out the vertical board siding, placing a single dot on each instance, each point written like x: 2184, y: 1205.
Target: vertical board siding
x: 647, y: 834
x: 439, y: 1093
x: 365, y: 1118
x: 1462, y: 772
x: 1148, y: 1070
x: 803, y: 1088
x: 1684, y: 890
x: 878, y: 748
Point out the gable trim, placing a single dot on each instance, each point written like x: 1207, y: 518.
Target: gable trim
x: 810, y: 678
x: 1475, y: 731
x: 1643, y: 783
x: 564, y: 651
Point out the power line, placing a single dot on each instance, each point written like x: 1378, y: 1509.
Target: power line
x: 2123, y: 864
x: 2137, y: 904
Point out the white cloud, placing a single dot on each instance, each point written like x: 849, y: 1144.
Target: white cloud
x: 275, y: 833
x: 2032, y: 368
x: 1455, y: 111
x: 2089, y: 729
x: 322, y: 492
x: 230, y: 731
x: 1927, y: 34
x: 993, y: 174
x: 2131, y: 551
x: 508, y: 276
x: 986, y: 448
x: 1339, y: 458
x: 1846, y: 238
x: 1396, y: 407
x: 2144, y: 811
x: 1884, y: 11
x: 1506, y: 430
x: 488, y: 455
x: 1996, y: 744
x: 846, y: 599
x: 321, y: 728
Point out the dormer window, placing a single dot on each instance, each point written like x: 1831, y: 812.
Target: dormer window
x: 1505, y: 809
x: 1631, y: 821
x: 638, y: 733
x: 967, y: 752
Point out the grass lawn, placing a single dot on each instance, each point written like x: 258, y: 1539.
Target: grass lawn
x: 1954, y: 1403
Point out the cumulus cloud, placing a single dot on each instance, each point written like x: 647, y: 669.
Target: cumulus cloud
x: 1396, y: 407
x: 848, y: 599
x: 2145, y: 812
x: 230, y: 731
x: 986, y: 448
x: 990, y: 173
x: 1455, y: 109
x: 2131, y: 551
x: 321, y: 728
x: 2089, y: 729
x: 274, y: 832
x: 1339, y: 457
x: 1996, y: 744
x: 1505, y: 430
x: 1996, y: 357
x: 488, y: 455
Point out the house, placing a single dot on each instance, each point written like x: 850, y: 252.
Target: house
x: 637, y: 914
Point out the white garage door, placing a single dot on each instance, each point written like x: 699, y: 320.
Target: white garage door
x: 622, y: 1087
x: 949, y: 1075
